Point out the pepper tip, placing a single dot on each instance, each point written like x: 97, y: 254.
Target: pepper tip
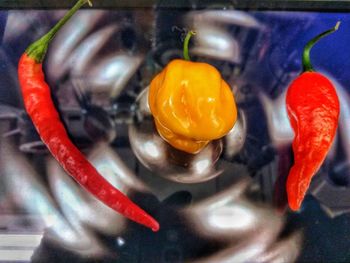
x: 295, y: 204
x: 155, y: 227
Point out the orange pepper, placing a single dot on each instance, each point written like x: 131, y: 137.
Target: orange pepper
x: 191, y: 105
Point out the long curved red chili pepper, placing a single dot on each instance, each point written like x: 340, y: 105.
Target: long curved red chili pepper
x: 313, y: 110
x: 39, y: 105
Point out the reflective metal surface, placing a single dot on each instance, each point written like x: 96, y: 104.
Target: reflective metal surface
x: 250, y: 231
x: 31, y: 194
x: 225, y: 204
x: 166, y: 161
x: 212, y: 39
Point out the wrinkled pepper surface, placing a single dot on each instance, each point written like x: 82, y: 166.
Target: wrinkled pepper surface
x: 191, y: 104
x: 313, y: 110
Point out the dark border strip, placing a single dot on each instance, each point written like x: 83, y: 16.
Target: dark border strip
x: 280, y: 5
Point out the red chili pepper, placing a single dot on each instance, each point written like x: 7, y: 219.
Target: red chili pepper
x: 39, y: 105
x: 313, y: 110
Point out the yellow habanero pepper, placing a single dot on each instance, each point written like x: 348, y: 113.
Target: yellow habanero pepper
x: 191, y: 104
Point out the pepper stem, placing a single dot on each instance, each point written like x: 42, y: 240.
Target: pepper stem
x: 37, y: 50
x: 306, y: 53
x: 187, y: 40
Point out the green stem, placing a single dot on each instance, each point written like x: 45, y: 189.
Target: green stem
x: 306, y: 53
x: 37, y: 50
x: 187, y: 40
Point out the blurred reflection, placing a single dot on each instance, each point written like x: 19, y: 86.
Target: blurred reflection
x: 29, y: 192
x: 109, y: 164
x: 168, y: 162
x: 20, y: 23
x: 212, y: 37
x: 104, y: 57
x: 69, y: 39
x: 250, y: 230
x: 280, y: 131
x: 229, y: 215
x: 97, y: 122
x: 344, y: 124
x: 115, y: 72
x: 235, y: 139
x: 214, y: 42
x: 97, y: 66
x: 286, y: 250
x: 226, y: 17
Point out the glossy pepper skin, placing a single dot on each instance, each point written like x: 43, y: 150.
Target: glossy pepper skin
x: 191, y: 103
x: 313, y: 110
x: 40, y: 108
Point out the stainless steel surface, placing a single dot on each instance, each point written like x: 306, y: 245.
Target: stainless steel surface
x: 163, y: 159
x: 226, y: 204
x: 83, y: 50
x: 250, y: 231
x: 29, y: 192
x: 212, y: 38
